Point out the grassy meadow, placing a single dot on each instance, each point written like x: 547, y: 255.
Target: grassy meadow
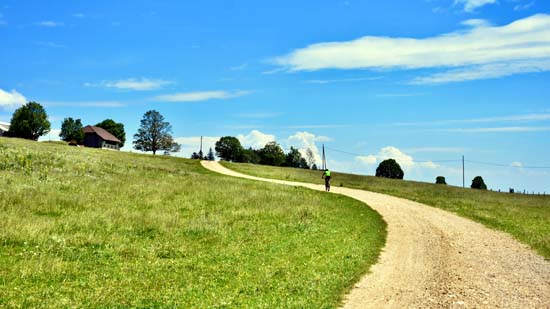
x: 97, y: 228
x: 526, y: 217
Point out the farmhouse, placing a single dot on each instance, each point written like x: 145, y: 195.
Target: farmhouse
x: 97, y: 137
x: 4, y: 127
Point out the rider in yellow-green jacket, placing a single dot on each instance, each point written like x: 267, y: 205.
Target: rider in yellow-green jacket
x: 326, y: 176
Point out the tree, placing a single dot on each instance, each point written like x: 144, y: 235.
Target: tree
x: 251, y: 156
x: 196, y: 156
x: 154, y: 134
x: 229, y: 148
x: 272, y: 154
x: 389, y: 169
x: 440, y: 180
x: 30, y: 121
x: 314, y: 167
x: 310, y: 157
x: 303, y: 164
x: 115, y: 128
x: 478, y: 183
x: 293, y: 158
x: 71, y: 130
x: 210, y: 156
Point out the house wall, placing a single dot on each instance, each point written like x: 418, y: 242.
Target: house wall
x: 92, y: 140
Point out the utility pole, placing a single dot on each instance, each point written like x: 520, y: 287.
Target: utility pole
x: 324, y: 163
x: 200, y: 152
x: 463, y: 178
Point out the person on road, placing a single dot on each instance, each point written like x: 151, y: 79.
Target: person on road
x: 326, y: 176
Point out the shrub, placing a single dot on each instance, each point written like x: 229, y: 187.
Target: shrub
x: 440, y: 180
x: 478, y: 183
x: 389, y: 169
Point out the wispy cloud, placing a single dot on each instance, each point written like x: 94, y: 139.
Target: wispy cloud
x: 79, y: 15
x: 519, y: 47
x: 11, y: 99
x: 259, y: 115
x: 49, y: 23
x: 342, y: 80
x: 511, y: 118
x: 85, y: 104
x: 201, y: 96
x: 318, y: 126
x: 472, y: 5
x: 240, y: 67
x: 499, y: 129
x: 437, y: 150
x: 49, y: 44
x: 525, y: 6
x: 137, y: 84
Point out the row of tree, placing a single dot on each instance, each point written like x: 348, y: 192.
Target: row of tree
x: 229, y: 148
x: 30, y: 121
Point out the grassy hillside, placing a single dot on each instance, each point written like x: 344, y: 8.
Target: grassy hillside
x: 526, y: 217
x: 86, y: 227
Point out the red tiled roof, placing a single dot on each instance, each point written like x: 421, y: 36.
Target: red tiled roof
x: 104, y: 134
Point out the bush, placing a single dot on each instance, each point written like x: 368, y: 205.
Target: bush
x: 478, y: 183
x: 389, y: 169
x: 440, y: 180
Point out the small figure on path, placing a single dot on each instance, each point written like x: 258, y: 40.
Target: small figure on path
x: 326, y: 176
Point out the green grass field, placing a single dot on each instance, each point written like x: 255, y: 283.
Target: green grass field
x: 97, y: 228
x: 526, y: 217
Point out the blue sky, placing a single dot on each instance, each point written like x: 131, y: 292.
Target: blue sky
x: 420, y: 81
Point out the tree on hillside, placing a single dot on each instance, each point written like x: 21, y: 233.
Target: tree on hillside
x: 229, y: 148
x: 154, y: 134
x: 293, y: 157
x: 478, y: 183
x: 251, y: 156
x: 272, y: 154
x: 30, y: 121
x: 196, y: 156
x: 440, y: 180
x: 389, y: 169
x: 303, y: 164
x: 310, y: 156
x: 71, y: 130
x: 210, y: 156
x: 314, y: 167
x: 115, y: 128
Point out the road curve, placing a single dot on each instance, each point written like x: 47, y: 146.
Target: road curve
x: 433, y: 258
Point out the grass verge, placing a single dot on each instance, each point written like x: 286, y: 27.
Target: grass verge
x: 526, y: 217
x: 97, y: 228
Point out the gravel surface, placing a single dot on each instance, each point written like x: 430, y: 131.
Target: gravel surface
x: 433, y: 258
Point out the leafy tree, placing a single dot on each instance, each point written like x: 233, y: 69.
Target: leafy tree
x: 390, y: 169
x: 310, y: 157
x: 293, y: 158
x: 251, y: 156
x: 314, y: 167
x: 478, y: 183
x: 303, y: 164
x: 272, y: 154
x: 229, y: 148
x: 440, y: 180
x: 154, y: 134
x: 30, y: 121
x: 115, y: 128
x: 196, y: 156
x: 210, y: 156
x: 71, y: 130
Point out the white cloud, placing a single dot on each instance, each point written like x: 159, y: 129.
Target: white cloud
x: 521, y: 46
x: 11, y: 99
x: 516, y: 164
x: 201, y: 96
x: 306, y: 140
x: 239, y: 67
x: 405, y: 161
x: 190, y: 144
x: 513, y: 118
x: 53, y: 135
x: 521, y: 7
x: 49, y: 24
x: 255, y: 139
x: 138, y: 84
x: 471, y: 5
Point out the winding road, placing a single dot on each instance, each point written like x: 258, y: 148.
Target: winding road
x: 433, y: 258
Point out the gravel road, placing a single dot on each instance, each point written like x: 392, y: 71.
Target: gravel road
x: 433, y: 258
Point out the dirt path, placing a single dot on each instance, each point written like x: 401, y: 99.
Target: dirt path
x: 434, y: 258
